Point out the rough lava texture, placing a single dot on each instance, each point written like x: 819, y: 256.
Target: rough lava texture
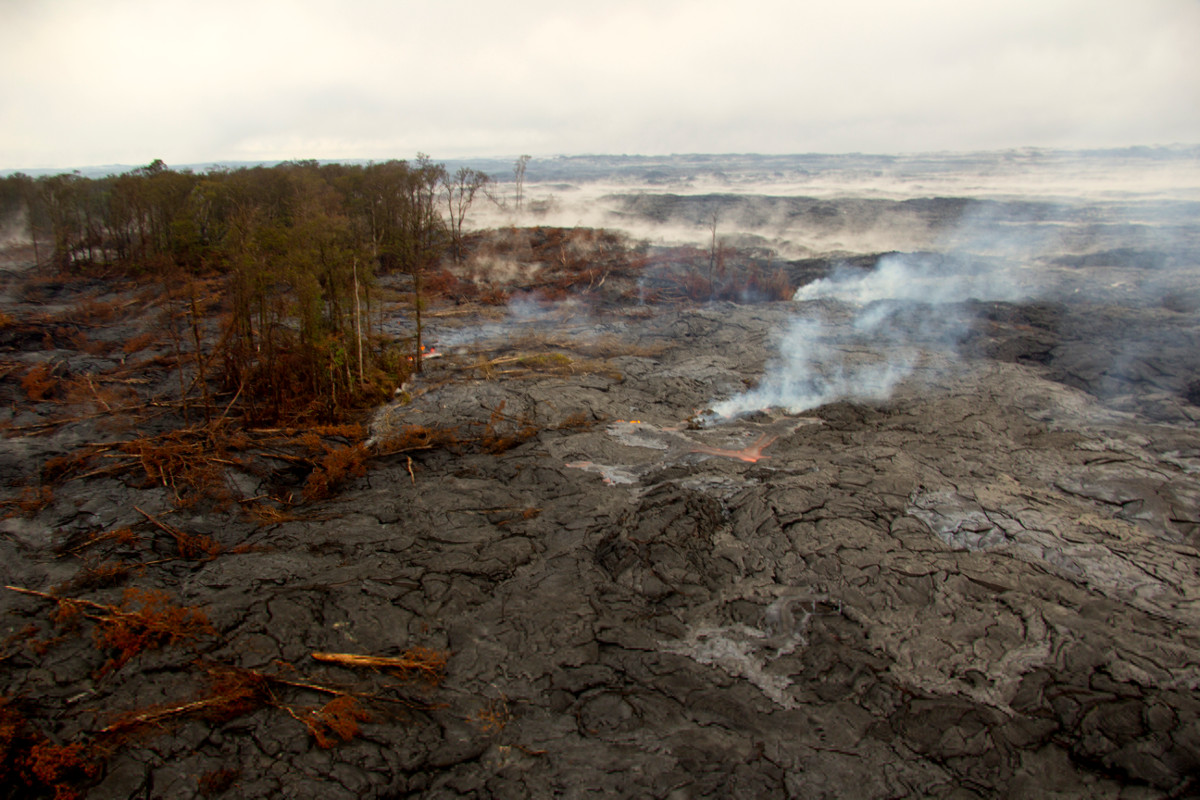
x: 984, y: 586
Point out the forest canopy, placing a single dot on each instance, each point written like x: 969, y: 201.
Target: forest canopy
x: 300, y: 258
x: 299, y: 245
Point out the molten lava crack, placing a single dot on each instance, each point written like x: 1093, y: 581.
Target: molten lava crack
x: 749, y: 454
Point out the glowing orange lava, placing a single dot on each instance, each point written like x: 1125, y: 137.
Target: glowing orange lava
x: 749, y: 454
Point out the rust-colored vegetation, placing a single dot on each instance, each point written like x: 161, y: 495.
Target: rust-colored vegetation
x: 194, y: 463
x: 502, y: 432
x: 338, y: 465
x: 96, y: 575
x: 32, y: 765
x: 550, y: 263
x: 409, y: 438
x: 189, y: 462
x: 31, y: 501
x: 231, y: 692
x: 692, y: 274
x: 140, y: 342
x: 59, y: 468
x: 241, y: 321
x: 92, y: 310
x: 146, y: 619
x: 494, y: 716
x: 62, y: 767
x: 335, y: 722
x: 189, y: 545
x: 116, y: 538
x: 499, y: 434
x: 39, y: 382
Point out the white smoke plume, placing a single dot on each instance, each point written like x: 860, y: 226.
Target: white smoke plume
x: 811, y: 371
x: 881, y: 322
x: 525, y: 315
x: 1072, y: 227
x: 14, y: 231
x: 912, y: 278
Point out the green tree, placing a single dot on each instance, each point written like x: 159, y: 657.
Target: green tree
x: 58, y: 198
x: 407, y: 233
x: 425, y: 238
x: 299, y: 245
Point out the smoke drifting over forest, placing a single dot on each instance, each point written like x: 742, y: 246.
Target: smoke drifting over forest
x: 944, y: 230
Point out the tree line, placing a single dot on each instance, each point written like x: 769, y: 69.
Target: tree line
x: 299, y: 245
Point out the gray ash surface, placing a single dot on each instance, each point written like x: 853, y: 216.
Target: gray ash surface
x: 984, y: 585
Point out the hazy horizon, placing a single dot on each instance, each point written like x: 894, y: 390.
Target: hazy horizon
x: 669, y: 199
x: 501, y: 164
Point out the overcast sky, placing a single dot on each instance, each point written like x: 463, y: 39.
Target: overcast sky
x: 90, y: 82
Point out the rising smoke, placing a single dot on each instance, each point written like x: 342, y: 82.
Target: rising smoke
x: 1101, y: 227
x: 14, y: 230
x: 858, y: 334
x: 876, y: 203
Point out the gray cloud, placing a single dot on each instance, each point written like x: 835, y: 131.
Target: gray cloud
x: 130, y: 80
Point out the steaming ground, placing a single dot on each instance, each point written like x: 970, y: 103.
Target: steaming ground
x: 1022, y: 201
x: 981, y: 580
x: 988, y: 227
x: 937, y: 536
x: 985, y: 584
x: 855, y: 335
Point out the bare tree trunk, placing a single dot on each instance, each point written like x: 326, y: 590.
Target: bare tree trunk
x: 173, y: 329
x: 358, y: 324
x: 417, y: 305
x: 199, y: 355
x: 519, y: 175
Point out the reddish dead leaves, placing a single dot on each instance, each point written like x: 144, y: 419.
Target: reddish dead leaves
x: 39, y: 382
x: 335, y: 722
x: 31, y: 761
x: 146, y: 620
x: 234, y: 691
x: 31, y: 500
x: 338, y: 465
x: 230, y: 693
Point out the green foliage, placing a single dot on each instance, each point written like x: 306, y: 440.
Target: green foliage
x: 299, y: 246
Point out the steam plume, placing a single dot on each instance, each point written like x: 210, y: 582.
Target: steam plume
x: 859, y: 334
